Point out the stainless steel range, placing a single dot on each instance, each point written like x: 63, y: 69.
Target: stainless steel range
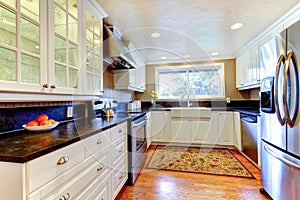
x: 137, y: 146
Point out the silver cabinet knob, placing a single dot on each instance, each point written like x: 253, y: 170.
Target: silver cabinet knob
x: 65, y: 196
x: 63, y: 160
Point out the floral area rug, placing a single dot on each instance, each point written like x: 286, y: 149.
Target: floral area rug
x: 199, y: 160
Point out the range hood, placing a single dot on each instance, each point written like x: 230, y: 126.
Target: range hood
x: 115, y: 51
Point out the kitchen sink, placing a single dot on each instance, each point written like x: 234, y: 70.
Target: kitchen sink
x: 191, y: 112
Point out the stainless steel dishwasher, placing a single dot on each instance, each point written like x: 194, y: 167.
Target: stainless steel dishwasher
x: 249, y: 136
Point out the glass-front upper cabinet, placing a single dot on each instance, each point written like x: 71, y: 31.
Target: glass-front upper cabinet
x: 21, y: 67
x: 64, y: 53
x: 93, y: 49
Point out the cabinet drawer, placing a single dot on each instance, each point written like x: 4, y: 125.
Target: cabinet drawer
x: 118, y: 131
x: 96, y: 143
x: 46, y: 168
x: 99, y: 190
x: 119, y: 177
x: 75, y: 180
x: 119, y: 150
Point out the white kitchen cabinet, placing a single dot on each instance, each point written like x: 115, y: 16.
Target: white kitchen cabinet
x: 237, y: 131
x: 160, y: 126
x: 93, y: 168
x: 70, y: 64
x: 258, y: 141
x: 23, y: 53
x: 248, y: 69
x: 132, y: 79
x: 189, y: 130
x: 92, y: 48
x: 225, y: 125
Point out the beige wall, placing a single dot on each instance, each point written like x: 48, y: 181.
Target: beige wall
x: 230, y: 88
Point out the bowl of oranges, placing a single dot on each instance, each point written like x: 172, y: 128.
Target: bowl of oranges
x: 41, y: 123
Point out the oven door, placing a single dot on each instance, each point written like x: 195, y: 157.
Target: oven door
x: 138, y: 141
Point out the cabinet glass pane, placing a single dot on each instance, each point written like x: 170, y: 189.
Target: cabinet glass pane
x: 11, y: 3
x: 97, y: 45
x: 60, y: 75
x: 31, y: 8
x: 89, y: 40
x: 97, y: 27
x: 30, y: 72
x: 97, y: 82
x: 60, y: 49
x: 73, y: 54
x: 73, y: 6
x: 89, y: 20
x: 8, y: 69
x: 7, y: 27
x: 90, y: 63
x: 73, y: 78
x: 97, y: 64
x: 30, y: 36
x: 62, y: 3
x: 60, y: 20
x: 90, y: 81
x: 73, y: 29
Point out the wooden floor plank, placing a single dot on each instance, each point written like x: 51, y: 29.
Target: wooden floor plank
x: 163, y: 184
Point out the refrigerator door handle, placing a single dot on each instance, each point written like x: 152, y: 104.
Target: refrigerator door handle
x: 291, y: 120
x: 279, y: 117
x: 285, y: 161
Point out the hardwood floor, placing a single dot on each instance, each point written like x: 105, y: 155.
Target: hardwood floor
x: 162, y: 184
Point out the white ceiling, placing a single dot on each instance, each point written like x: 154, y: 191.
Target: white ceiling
x: 194, y: 27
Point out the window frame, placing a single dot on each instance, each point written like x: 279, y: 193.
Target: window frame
x: 191, y: 67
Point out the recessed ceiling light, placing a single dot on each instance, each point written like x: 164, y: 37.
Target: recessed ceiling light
x: 214, y: 53
x: 164, y: 57
x: 155, y: 35
x: 236, y: 25
x: 187, y: 56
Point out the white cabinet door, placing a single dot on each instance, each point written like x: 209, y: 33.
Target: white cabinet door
x: 225, y: 128
x: 237, y: 131
x: 23, y: 50
x: 180, y: 131
x: 160, y: 126
x: 92, y: 48
x: 242, y: 66
x: 199, y: 131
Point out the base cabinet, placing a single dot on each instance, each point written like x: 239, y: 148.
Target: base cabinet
x: 160, y: 126
x: 94, y: 168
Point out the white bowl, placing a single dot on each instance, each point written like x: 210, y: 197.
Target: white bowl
x: 40, y: 128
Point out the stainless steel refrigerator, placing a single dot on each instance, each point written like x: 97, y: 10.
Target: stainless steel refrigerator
x: 280, y: 127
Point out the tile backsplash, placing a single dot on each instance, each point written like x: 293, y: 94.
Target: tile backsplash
x: 13, y: 118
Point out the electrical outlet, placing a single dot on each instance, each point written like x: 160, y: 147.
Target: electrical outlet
x: 70, y: 112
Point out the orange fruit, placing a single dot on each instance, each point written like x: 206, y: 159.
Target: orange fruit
x: 52, y: 121
x: 32, y: 123
x: 41, y: 118
x: 44, y: 123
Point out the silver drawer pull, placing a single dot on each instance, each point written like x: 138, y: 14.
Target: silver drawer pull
x: 99, y: 168
x: 99, y: 141
x: 63, y: 160
x: 120, y: 131
x: 65, y: 197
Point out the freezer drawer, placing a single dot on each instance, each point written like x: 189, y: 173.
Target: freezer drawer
x: 280, y: 173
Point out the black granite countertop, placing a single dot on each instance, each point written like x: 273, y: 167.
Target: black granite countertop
x: 22, y: 146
